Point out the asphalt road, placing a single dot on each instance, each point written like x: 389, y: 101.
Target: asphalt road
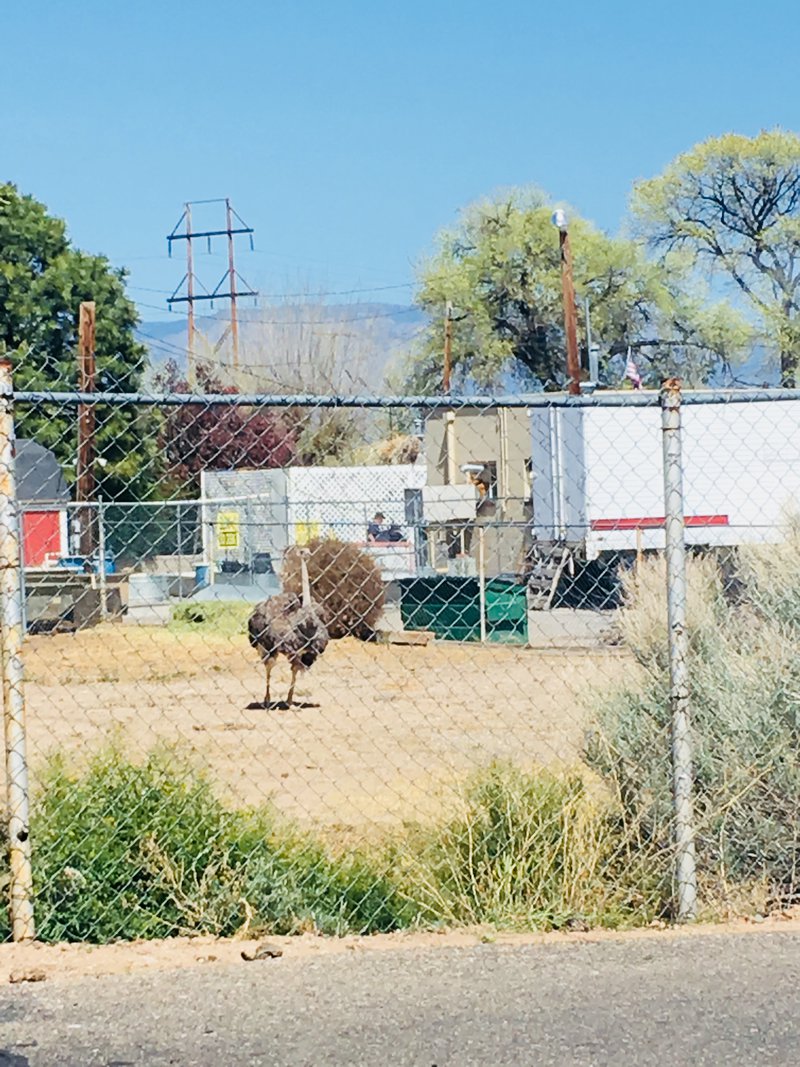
x: 690, y: 1000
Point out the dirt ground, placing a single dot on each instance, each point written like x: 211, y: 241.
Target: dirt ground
x: 379, y: 734
x: 35, y: 962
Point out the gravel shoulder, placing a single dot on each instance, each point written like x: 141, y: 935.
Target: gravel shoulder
x: 67, y: 962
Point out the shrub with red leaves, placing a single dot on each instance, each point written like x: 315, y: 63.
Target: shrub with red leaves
x: 203, y: 436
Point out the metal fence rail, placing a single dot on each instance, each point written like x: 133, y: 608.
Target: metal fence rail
x: 540, y: 651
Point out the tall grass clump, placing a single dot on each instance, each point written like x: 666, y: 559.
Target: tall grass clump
x: 527, y: 850
x: 142, y: 850
x: 744, y: 665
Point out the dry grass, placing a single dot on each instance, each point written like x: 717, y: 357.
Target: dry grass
x: 380, y: 735
x: 642, y: 620
x: 526, y: 850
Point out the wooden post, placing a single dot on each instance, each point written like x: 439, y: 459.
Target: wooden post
x: 85, y: 486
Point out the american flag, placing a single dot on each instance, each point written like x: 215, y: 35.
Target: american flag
x: 632, y: 373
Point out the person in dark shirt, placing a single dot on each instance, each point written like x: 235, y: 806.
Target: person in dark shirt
x: 375, y: 530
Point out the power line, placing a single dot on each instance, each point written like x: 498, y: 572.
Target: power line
x: 308, y: 292
x: 302, y: 261
x: 333, y: 321
x: 171, y: 347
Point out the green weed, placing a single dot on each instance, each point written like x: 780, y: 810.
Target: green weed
x: 527, y: 850
x: 126, y: 850
x: 227, y: 618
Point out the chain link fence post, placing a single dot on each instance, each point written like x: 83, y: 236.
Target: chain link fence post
x: 11, y: 634
x: 685, y: 866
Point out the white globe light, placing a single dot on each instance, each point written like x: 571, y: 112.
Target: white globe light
x: 560, y: 218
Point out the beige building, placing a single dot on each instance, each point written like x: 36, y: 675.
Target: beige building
x: 490, y: 447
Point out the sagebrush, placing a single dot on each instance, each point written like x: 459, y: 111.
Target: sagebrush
x: 345, y: 580
x: 744, y: 627
x: 129, y: 850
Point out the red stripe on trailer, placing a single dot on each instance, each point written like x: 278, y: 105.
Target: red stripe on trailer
x: 656, y: 522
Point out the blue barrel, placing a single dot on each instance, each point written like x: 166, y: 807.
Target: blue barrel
x: 202, y: 575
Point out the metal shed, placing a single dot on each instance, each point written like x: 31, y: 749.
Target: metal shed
x: 43, y: 496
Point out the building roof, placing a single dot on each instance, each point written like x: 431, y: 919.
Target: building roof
x: 39, y: 475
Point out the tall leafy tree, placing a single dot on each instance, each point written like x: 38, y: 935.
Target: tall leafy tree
x: 43, y: 280
x: 501, y: 269
x: 732, y: 204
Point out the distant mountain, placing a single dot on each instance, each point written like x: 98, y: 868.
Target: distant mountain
x: 341, y: 347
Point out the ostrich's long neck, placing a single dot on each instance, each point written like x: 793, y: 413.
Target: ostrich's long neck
x: 306, y: 585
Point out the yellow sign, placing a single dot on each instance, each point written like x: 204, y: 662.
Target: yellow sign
x: 305, y: 532
x: 228, y: 529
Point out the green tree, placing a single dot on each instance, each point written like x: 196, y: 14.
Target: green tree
x: 501, y: 269
x: 43, y: 280
x: 732, y: 204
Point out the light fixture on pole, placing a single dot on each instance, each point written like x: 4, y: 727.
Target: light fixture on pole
x: 568, y: 291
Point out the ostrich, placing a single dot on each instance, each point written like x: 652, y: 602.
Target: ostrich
x: 289, y: 626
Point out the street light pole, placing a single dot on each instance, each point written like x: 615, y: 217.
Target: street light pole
x: 570, y: 315
x: 448, y: 345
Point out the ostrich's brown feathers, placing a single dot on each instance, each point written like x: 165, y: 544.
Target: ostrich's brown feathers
x: 282, y: 626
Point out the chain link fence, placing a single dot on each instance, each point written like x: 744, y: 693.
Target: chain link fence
x: 530, y: 660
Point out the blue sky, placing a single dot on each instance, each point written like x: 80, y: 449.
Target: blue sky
x: 348, y: 133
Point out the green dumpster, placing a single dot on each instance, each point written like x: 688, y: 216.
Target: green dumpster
x: 450, y: 608
x: 506, y: 611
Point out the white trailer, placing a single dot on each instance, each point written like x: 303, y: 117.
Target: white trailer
x: 598, y: 484
x: 270, y: 509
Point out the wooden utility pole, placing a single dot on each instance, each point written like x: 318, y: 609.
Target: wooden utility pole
x: 450, y: 416
x: 86, y: 425
x: 448, y: 345
x: 570, y: 315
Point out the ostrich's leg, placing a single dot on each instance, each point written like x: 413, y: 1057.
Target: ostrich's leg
x: 268, y: 665
x: 290, y: 697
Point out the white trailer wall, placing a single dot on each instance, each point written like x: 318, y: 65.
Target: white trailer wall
x: 596, y: 467
x: 258, y: 497
x: 278, y: 507
x: 341, y: 501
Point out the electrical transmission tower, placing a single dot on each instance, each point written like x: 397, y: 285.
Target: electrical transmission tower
x: 225, y: 289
